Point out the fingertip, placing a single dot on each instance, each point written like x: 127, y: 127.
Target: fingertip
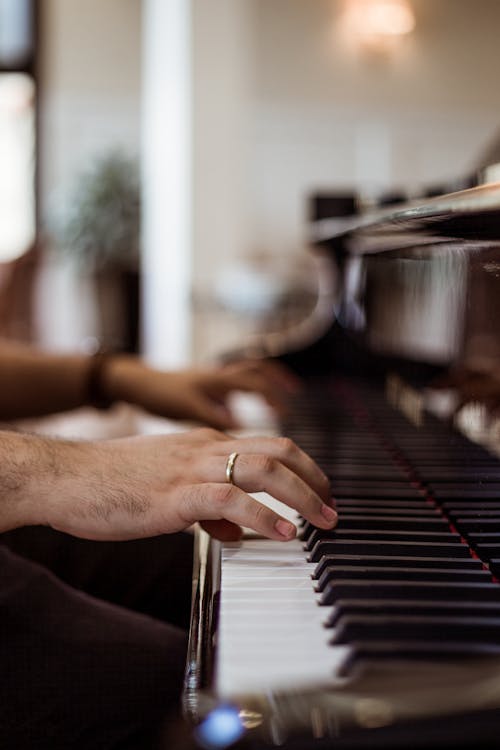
x: 330, y: 515
x: 285, y: 529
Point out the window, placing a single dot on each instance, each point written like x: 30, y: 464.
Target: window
x: 18, y: 92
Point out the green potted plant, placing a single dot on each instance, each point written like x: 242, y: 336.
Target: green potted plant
x: 100, y: 227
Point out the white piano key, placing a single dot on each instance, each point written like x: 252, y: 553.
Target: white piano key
x: 271, y: 632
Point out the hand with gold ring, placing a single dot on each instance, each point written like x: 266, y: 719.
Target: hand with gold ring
x: 149, y: 485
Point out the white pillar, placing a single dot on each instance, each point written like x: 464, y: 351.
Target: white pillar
x: 166, y: 169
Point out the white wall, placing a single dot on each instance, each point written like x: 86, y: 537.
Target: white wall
x: 90, y: 76
x: 327, y: 118
x: 280, y: 108
x: 90, y: 72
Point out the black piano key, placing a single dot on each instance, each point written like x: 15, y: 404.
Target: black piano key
x: 455, y: 487
x: 471, y: 511
x: 388, y: 507
x: 376, y: 484
x: 371, y: 492
x: 463, y: 494
x: 391, y: 607
x: 449, y: 461
x: 376, y: 572
x: 364, y: 560
x: 481, y: 525
x: 339, y: 534
x: 395, y: 523
x: 357, y: 588
x: 373, y: 522
x: 370, y: 473
x: 487, y: 551
x: 306, y: 529
x: 465, y: 474
x: 494, y: 566
x: 433, y: 651
x: 386, y: 548
x: 416, y: 628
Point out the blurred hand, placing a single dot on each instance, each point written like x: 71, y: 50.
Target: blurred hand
x: 472, y: 384
x: 199, y: 395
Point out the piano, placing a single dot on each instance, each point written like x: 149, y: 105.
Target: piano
x: 385, y: 632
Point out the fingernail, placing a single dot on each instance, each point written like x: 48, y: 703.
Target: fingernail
x: 285, y: 528
x: 329, y: 514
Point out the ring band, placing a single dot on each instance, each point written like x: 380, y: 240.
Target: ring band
x: 230, y: 467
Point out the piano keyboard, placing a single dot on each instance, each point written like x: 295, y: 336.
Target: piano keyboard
x: 270, y: 631
x: 408, y: 576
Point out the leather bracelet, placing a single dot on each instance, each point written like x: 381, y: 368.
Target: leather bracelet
x: 95, y: 395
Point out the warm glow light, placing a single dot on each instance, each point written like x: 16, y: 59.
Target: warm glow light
x: 377, y: 20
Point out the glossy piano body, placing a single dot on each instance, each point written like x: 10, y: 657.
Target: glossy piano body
x: 407, y: 295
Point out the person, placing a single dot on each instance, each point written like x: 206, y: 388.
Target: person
x: 94, y: 553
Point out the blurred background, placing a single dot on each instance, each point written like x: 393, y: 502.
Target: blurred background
x: 159, y: 157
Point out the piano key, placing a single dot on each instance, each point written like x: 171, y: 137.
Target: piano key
x: 466, y: 475
x: 487, y: 551
x: 366, y: 560
x: 466, y: 494
x: 387, y: 507
x: 453, y: 608
x: 494, y: 566
x: 249, y: 659
x: 434, y: 528
x: 400, y: 574
x: 486, y: 525
x: 371, y: 492
x: 471, y: 511
x: 448, y: 461
x: 358, y: 588
x: 340, y: 535
x: 401, y: 651
x: 325, y: 547
x: 350, y: 628
x: 340, y: 472
x: 396, y: 523
x: 359, y: 535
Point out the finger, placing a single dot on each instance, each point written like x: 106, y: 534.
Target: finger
x: 263, y: 473
x: 270, y: 379
x: 212, y: 413
x: 216, y: 502
x: 281, y: 376
x: 256, y: 382
x: 286, y: 451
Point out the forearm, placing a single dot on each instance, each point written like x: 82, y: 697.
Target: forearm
x: 34, y: 383
x: 31, y: 469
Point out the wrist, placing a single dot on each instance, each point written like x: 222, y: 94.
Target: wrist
x: 32, y: 468
x: 119, y: 378
x: 98, y: 388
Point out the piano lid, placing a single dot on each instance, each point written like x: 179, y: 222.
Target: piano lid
x: 420, y: 280
x: 472, y: 214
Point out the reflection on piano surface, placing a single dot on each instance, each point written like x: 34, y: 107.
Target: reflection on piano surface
x: 384, y: 632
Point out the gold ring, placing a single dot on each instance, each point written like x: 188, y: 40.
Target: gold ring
x: 230, y: 467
